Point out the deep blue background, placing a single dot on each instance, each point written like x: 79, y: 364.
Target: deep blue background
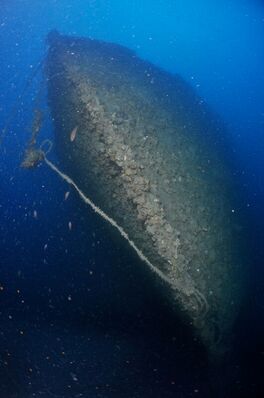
x: 63, y: 302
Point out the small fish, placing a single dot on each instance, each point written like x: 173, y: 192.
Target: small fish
x: 35, y: 214
x: 70, y: 225
x: 45, y: 246
x: 74, y: 377
x: 73, y: 134
x: 66, y: 195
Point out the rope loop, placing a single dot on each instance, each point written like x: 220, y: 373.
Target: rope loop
x: 45, y: 143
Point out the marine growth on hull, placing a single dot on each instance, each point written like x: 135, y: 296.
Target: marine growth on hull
x: 138, y: 143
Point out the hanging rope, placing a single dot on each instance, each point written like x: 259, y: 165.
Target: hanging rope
x: 17, y: 103
x: 201, y: 304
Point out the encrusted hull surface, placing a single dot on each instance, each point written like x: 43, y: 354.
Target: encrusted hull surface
x: 149, y: 153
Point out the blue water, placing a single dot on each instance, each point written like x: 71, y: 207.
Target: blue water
x: 64, y: 331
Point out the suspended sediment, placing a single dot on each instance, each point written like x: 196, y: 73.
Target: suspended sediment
x: 149, y: 154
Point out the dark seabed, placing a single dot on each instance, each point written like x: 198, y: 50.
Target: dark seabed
x: 80, y: 315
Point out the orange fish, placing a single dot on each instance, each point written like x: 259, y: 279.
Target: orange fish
x: 73, y: 134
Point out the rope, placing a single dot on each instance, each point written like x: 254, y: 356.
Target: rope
x: 45, y: 142
x: 202, y: 306
x: 110, y: 221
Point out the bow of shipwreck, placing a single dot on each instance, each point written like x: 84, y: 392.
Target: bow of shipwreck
x: 148, y: 152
